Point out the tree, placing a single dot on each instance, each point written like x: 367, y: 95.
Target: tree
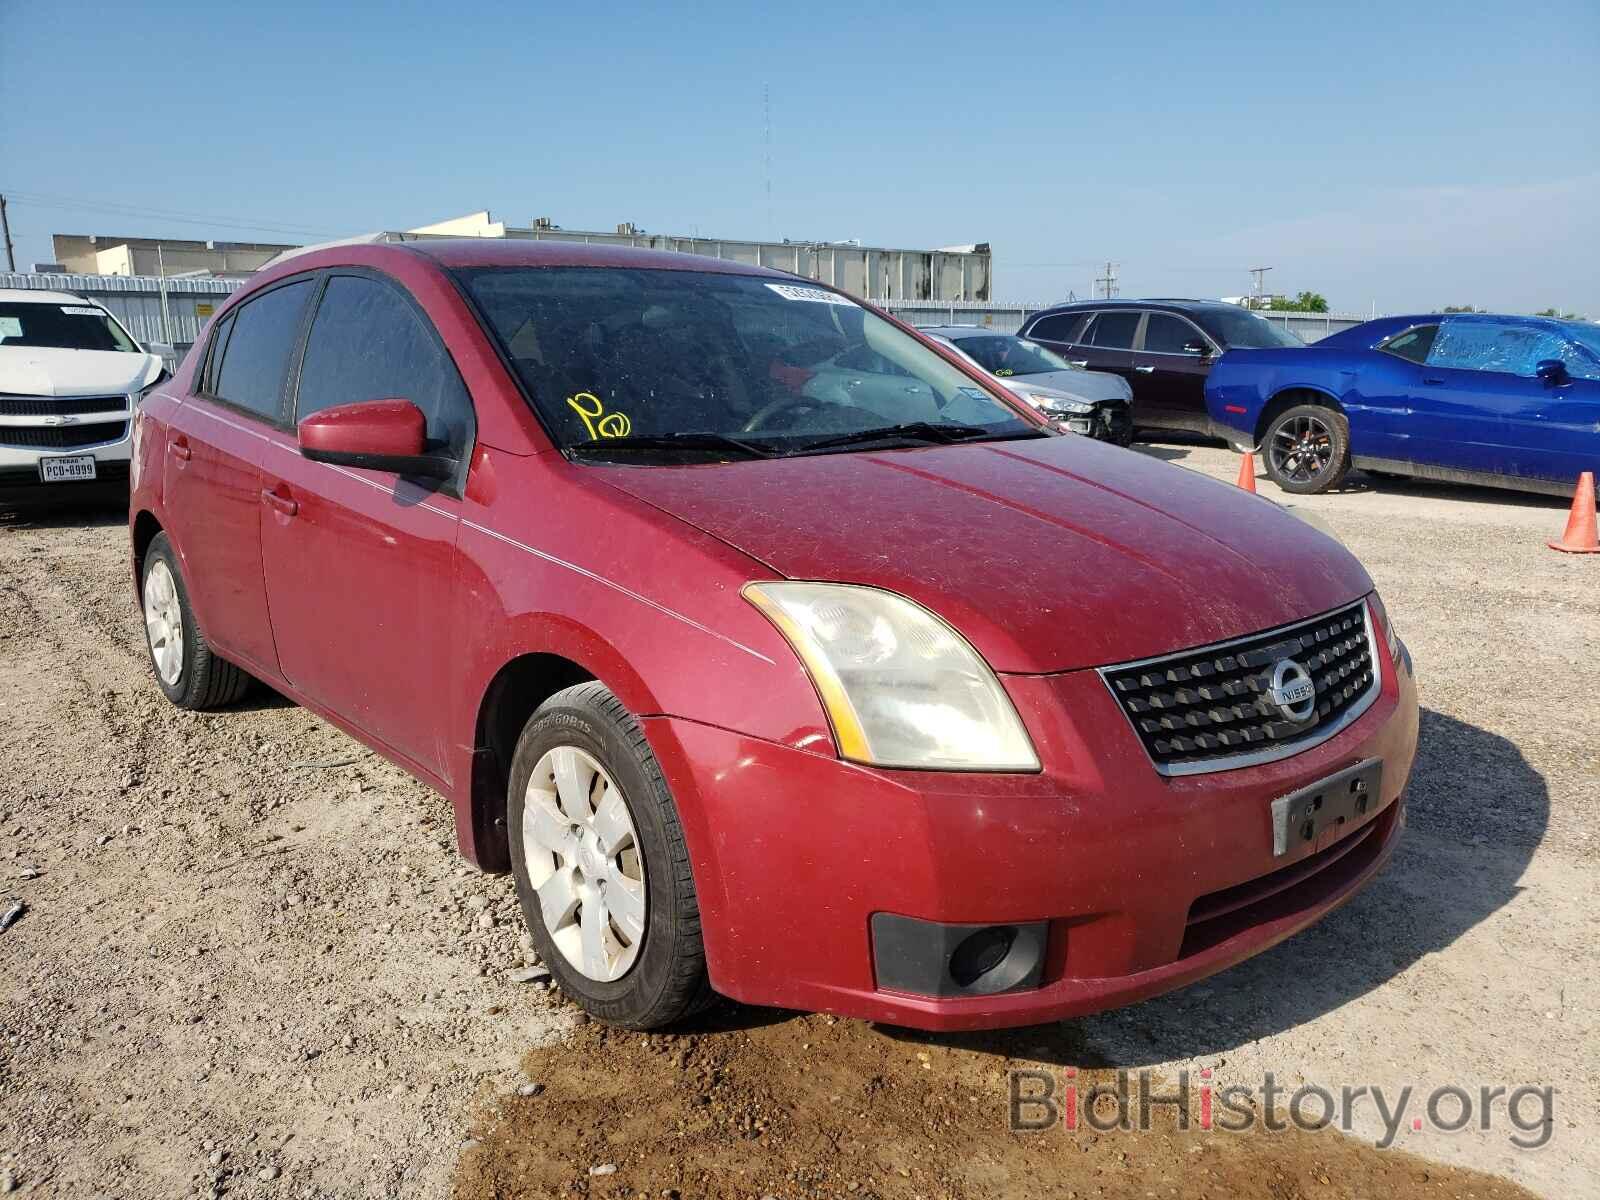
x: 1459, y: 308
x: 1304, y: 302
x: 1550, y: 312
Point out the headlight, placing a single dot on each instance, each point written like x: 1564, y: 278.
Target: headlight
x: 1057, y: 404
x: 901, y: 688
x: 1390, y: 637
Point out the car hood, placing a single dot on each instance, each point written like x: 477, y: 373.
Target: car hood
x: 1086, y: 385
x: 1049, y: 554
x: 48, y: 371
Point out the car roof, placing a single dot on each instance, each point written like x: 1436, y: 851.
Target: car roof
x: 30, y: 296
x: 466, y: 253
x: 1149, y: 302
x: 953, y: 331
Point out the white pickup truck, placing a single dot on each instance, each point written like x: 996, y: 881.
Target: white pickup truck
x: 70, y: 376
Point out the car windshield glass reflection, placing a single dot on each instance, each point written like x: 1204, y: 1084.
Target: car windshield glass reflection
x: 1245, y: 331
x: 61, y: 327
x: 623, y: 361
x: 1011, y: 355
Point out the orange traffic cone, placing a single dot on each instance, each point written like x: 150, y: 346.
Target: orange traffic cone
x: 1580, y: 535
x: 1247, y: 473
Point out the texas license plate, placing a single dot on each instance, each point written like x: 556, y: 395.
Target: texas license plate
x: 67, y: 469
x: 1340, y: 801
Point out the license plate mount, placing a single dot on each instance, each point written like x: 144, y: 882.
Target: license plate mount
x: 1342, y: 800
x: 67, y: 468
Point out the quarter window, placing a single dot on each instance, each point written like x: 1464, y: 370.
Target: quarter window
x: 255, y: 360
x: 1166, y: 334
x: 1114, y: 330
x: 1062, y: 327
x: 368, y: 343
x: 1412, y: 345
x: 219, y: 343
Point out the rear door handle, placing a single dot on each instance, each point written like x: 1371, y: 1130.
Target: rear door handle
x: 1144, y: 370
x: 1079, y: 362
x: 180, y: 450
x: 283, y: 504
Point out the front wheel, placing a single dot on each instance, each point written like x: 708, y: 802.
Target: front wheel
x: 1307, y: 449
x: 600, y: 864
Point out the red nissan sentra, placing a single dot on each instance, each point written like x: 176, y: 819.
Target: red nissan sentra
x: 776, y: 652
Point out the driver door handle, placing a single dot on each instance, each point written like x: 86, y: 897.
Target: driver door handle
x: 1079, y: 362
x: 283, y: 504
x: 1144, y: 370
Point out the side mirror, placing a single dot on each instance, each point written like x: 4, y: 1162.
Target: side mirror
x: 162, y: 350
x: 1552, y: 371
x: 1202, y: 348
x: 375, y: 435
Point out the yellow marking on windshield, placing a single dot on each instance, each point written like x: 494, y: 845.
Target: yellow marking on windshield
x: 597, y: 420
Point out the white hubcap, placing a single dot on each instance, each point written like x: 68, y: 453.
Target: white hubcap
x: 584, y: 863
x: 163, y: 622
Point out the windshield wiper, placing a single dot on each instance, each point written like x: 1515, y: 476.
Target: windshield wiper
x: 924, y: 432
x: 672, y: 441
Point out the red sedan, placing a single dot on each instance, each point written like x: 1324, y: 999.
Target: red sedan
x: 774, y: 650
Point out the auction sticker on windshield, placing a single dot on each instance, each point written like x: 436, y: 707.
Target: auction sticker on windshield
x: 816, y: 295
x: 10, y: 327
x: 79, y: 310
x: 69, y: 469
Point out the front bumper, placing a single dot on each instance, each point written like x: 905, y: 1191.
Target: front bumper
x: 38, y: 427
x: 1144, y: 883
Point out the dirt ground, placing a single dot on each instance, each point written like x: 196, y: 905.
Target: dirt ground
x: 250, y: 964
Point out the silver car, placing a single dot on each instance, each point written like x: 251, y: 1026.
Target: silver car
x: 1096, y: 403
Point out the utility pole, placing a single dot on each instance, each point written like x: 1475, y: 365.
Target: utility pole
x: 5, y: 234
x: 1109, y: 280
x: 1255, y: 294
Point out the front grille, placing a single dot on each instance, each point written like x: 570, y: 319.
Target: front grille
x: 44, y: 406
x: 1208, y: 709
x: 61, y: 437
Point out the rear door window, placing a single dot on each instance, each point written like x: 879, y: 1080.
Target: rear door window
x: 1114, y: 330
x: 255, y: 361
x: 1412, y: 345
x: 1062, y: 327
x: 368, y: 343
x: 1167, y: 334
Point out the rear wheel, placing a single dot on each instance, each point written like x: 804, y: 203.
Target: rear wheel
x: 1307, y: 449
x: 600, y: 864
x: 186, y: 670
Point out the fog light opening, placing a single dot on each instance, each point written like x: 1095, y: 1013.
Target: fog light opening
x: 980, y: 953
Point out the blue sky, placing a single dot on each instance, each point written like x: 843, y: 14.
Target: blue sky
x: 1384, y: 155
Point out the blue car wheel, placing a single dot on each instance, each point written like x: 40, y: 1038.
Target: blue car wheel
x: 1307, y: 449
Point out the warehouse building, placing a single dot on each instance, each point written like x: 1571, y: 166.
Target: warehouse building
x: 877, y: 273
x: 114, y: 254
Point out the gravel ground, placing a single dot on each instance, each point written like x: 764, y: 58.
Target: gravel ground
x: 250, y: 964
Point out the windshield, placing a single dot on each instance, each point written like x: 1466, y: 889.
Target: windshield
x: 1240, y: 329
x: 62, y: 327
x: 613, y: 354
x: 1004, y: 355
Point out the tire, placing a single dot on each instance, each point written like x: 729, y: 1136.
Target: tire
x: 637, y: 969
x: 188, y: 673
x: 1307, y: 449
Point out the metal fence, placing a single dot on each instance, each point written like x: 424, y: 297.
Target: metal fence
x: 154, y: 309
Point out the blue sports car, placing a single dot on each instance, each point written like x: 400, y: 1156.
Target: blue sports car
x: 1470, y: 398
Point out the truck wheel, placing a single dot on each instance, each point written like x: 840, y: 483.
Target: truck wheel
x: 1307, y: 449
x: 600, y: 864
x: 186, y: 670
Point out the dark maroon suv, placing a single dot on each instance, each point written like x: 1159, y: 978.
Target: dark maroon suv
x: 1163, y: 348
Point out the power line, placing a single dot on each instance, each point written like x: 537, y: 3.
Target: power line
x: 36, y: 199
